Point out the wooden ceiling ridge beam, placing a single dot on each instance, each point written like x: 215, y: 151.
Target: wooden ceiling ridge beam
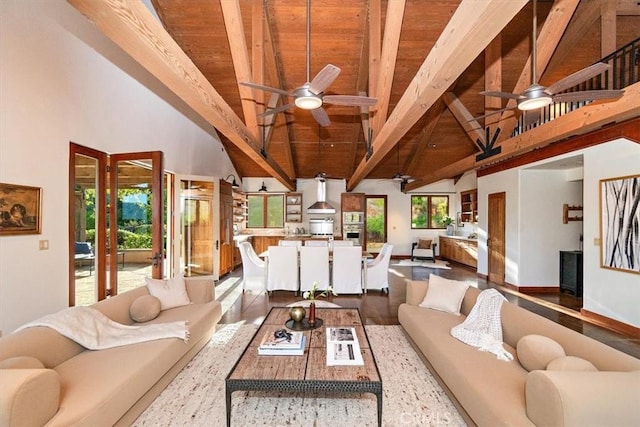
x: 579, y: 122
x: 132, y: 27
x: 463, y: 39
x: 546, y: 43
x: 242, y: 66
x: 388, y: 57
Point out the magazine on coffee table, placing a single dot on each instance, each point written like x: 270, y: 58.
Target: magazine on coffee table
x: 282, y: 343
x: 343, y: 347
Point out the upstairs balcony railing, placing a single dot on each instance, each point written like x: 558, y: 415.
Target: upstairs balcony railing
x: 624, y: 71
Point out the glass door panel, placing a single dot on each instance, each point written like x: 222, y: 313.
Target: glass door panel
x: 376, y: 223
x: 197, y: 244
x: 84, y: 230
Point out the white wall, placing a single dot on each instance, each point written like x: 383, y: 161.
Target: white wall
x: 62, y: 81
x: 542, y: 232
x: 611, y: 293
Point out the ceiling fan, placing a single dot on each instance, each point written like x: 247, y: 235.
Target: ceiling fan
x: 310, y: 96
x: 398, y: 177
x: 537, y: 96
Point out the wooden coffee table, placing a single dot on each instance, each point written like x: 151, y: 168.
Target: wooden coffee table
x: 307, y: 373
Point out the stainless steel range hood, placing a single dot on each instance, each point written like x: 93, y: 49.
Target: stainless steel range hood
x: 321, y: 206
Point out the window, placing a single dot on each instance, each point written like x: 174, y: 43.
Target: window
x: 429, y: 211
x: 265, y: 211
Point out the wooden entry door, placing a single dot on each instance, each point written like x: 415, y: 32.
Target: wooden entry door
x: 496, y: 237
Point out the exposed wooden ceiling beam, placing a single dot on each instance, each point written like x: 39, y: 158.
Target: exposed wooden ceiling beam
x: 547, y: 41
x: 493, y: 79
x: 391, y: 40
x: 464, y: 117
x: 257, y: 51
x: 132, y: 27
x: 578, y: 122
x: 464, y: 38
x: 375, y: 42
x: 240, y: 55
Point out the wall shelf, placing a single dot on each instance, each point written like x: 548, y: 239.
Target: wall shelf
x: 566, y: 213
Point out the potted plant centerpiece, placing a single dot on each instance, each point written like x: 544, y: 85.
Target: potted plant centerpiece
x: 314, y: 294
x: 448, y: 223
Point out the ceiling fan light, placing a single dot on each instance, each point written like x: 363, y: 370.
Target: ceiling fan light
x: 534, y: 103
x: 308, y: 102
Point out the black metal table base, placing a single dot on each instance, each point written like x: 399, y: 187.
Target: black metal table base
x: 295, y: 386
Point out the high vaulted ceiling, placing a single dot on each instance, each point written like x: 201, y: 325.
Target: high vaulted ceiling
x: 425, y: 62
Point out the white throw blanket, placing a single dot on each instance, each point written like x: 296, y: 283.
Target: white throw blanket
x: 483, y: 328
x: 95, y: 331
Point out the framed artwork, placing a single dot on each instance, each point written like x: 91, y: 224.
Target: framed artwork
x: 620, y: 223
x: 19, y: 209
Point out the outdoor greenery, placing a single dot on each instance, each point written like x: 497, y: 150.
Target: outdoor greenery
x: 265, y: 211
x: 134, y: 218
x: 375, y: 219
x: 429, y: 211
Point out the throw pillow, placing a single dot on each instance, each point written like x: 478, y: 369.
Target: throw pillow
x: 536, y: 351
x: 144, y: 308
x: 444, y: 294
x: 570, y: 363
x: 424, y: 244
x: 171, y: 293
x: 21, y: 362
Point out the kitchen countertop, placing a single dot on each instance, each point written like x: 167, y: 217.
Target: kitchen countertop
x: 461, y: 238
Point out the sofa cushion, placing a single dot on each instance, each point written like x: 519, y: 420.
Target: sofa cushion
x: 424, y: 244
x: 144, y: 308
x: 444, y: 294
x: 536, y: 351
x: 171, y: 293
x: 21, y: 362
x: 570, y: 363
x: 28, y: 397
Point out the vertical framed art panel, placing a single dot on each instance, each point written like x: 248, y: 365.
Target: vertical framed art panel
x: 19, y: 209
x: 620, y: 223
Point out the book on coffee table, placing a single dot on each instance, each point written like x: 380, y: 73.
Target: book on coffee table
x: 343, y: 347
x: 290, y: 344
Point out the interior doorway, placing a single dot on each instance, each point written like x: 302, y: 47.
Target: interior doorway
x: 496, y: 237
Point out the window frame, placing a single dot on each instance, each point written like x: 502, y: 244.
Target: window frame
x: 430, y: 225
x: 265, y: 210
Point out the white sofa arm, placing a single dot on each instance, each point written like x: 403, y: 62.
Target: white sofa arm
x: 28, y: 397
x: 581, y: 398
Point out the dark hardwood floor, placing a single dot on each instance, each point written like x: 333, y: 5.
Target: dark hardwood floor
x: 382, y: 309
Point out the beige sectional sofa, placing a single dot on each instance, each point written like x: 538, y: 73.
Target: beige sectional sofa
x: 492, y: 392
x: 82, y: 387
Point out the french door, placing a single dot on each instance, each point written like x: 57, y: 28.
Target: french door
x: 116, y: 220
x: 376, y: 223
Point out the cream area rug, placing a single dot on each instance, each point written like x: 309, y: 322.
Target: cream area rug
x: 429, y: 264
x: 196, y: 397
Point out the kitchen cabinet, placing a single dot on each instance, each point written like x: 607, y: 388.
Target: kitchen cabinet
x: 463, y: 251
x: 226, y: 228
x: 469, y: 205
x: 262, y: 243
x: 352, y: 202
x: 293, y: 205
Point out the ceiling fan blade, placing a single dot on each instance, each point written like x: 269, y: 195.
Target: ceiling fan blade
x: 324, y: 78
x: 349, y: 100
x: 494, y: 112
x: 587, y: 95
x: 266, y: 88
x: 500, y: 94
x: 321, y: 116
x: 577, y: 77
x: 276, y: 110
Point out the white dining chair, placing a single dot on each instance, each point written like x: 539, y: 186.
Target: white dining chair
x: 314, y: 267
x: 296, y: 243
x: 378, y: 270
x: 321, y: 243
x: 347, y: 270
x: 253, y: 268
x: 282, y: 269
x: 339, y: 243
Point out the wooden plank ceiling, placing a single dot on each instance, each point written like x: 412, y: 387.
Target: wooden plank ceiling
x: 424, y: 61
